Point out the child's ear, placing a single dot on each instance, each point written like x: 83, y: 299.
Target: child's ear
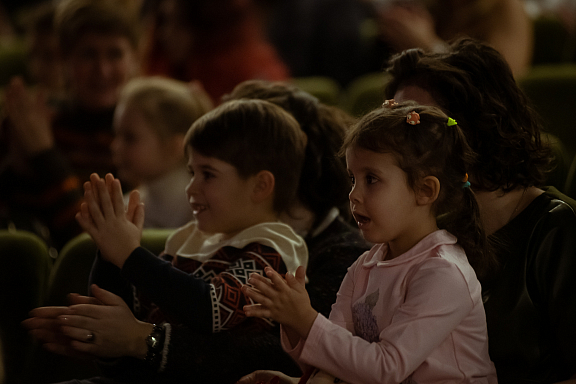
x: 428, y: 190
x: 264, y: 186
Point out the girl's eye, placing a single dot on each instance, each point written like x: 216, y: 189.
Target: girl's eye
x: 370, y: 179
x: 351, y: 179
x: 208, y: 175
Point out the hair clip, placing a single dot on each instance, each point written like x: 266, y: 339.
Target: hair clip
x: 451, y: 122
x: 413, y: 118
x: 466, y: 182
x: 389, y: 103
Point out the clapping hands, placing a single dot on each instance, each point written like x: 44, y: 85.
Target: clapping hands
x: 116, y: 230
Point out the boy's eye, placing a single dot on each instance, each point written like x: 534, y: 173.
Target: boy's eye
x: 208, y: 175
x: 351, y: 179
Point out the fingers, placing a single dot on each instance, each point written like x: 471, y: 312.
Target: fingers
x: 74, y: 298
x: 139, y: 216
x: 106, y: 297
x: 133, y: 202
x: 81, y: 334
x: 257, y: 310
x: 49, y: 312
x: 116, y: 195
x: 106, y: 203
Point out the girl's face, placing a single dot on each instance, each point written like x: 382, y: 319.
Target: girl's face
x: 383, y: 204
x: 99, y: 66
x: 219, y: 197
x: 138, y: 152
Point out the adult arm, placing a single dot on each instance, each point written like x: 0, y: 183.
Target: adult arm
x: 552, y: 286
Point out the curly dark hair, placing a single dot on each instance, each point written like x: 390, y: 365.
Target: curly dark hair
x: 473, y: 84
x: 324, y: 182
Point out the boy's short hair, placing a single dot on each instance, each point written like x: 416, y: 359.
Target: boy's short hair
x: 169, y: 106
x: 75, y: 18
x: 254, y: 135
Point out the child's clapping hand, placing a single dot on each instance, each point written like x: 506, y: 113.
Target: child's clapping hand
x: 285, y: 301
x: 116, y: 231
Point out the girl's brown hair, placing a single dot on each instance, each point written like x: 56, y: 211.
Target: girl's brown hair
x: 431, y: 148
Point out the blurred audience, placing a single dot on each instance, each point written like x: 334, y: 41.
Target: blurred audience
x: 217, y: 42
x: 48, y: 153
x: 150, y: 121
x: 430, y: 24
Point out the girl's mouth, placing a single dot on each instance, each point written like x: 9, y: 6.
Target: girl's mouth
x: 197, y: 208
x: 361, y: 220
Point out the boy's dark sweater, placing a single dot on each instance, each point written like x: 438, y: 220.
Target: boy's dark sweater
x: 224, y: 357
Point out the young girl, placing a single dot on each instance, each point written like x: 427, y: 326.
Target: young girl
x: 410, y: 309
x: 151, y: 120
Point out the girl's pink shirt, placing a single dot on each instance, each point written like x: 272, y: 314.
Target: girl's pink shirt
x: 419, y: 316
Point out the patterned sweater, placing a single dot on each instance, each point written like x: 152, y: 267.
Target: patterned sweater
x: 224, y: 357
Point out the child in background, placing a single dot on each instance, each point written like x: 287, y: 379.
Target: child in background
x: 151, y: 120
x: 245, y: 159
x: 410, y: 309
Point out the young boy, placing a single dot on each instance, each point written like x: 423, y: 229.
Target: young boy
x: 245, y: 159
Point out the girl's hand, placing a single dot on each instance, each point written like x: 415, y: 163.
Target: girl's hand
x: 285, y: 301
x: 116, y: 332
x: 116, y: 232
x: 267, y: 377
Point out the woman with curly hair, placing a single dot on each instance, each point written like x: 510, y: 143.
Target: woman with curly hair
x: 530, y: 298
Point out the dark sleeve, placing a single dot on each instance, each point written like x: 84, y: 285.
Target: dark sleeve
x: 109, y: 277
x: 225, y: 357
x: 553, y: 286
x: 177, y: 293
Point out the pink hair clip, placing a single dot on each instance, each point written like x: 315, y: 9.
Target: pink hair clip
x: 389, y: 103
x: 413, y: 118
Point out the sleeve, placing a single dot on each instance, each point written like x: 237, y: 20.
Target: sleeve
x: 208, y: 306
x: 177, y: 293
x: 109, y: 277
x: 554, y: 269
x: 224, y: 357
x: 340, y: 315
x: 437, y: 299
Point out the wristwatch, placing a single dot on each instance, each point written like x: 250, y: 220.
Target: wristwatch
x: 155, y: 344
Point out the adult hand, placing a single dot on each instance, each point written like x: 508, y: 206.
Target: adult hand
x: 108, y: 330
x: 45, y: 327
x: 285, y: 301
x: 406, y: 26
x: 116, y: 232
x: 30, y: 118
x: 268, y: 377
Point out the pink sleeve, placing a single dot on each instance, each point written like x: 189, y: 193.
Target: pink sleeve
x: 437, y: 300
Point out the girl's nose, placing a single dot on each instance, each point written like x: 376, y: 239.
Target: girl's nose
x: 354, y: 195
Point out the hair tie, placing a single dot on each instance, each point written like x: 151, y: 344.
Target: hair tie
x: 451, y: 122
x: 413, y: 118
x: 466, y: 182
x: 390, y: 103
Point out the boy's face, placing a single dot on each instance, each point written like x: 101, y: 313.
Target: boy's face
x: 138, y: 152
x: 220, y: 199
x: 98, y: 67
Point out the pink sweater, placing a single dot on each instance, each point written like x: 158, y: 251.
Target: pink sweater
x: 417, y: 318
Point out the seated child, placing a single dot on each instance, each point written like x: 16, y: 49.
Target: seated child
x: 244, y: 158
x: 409, y: 310
x: 150, y: 122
